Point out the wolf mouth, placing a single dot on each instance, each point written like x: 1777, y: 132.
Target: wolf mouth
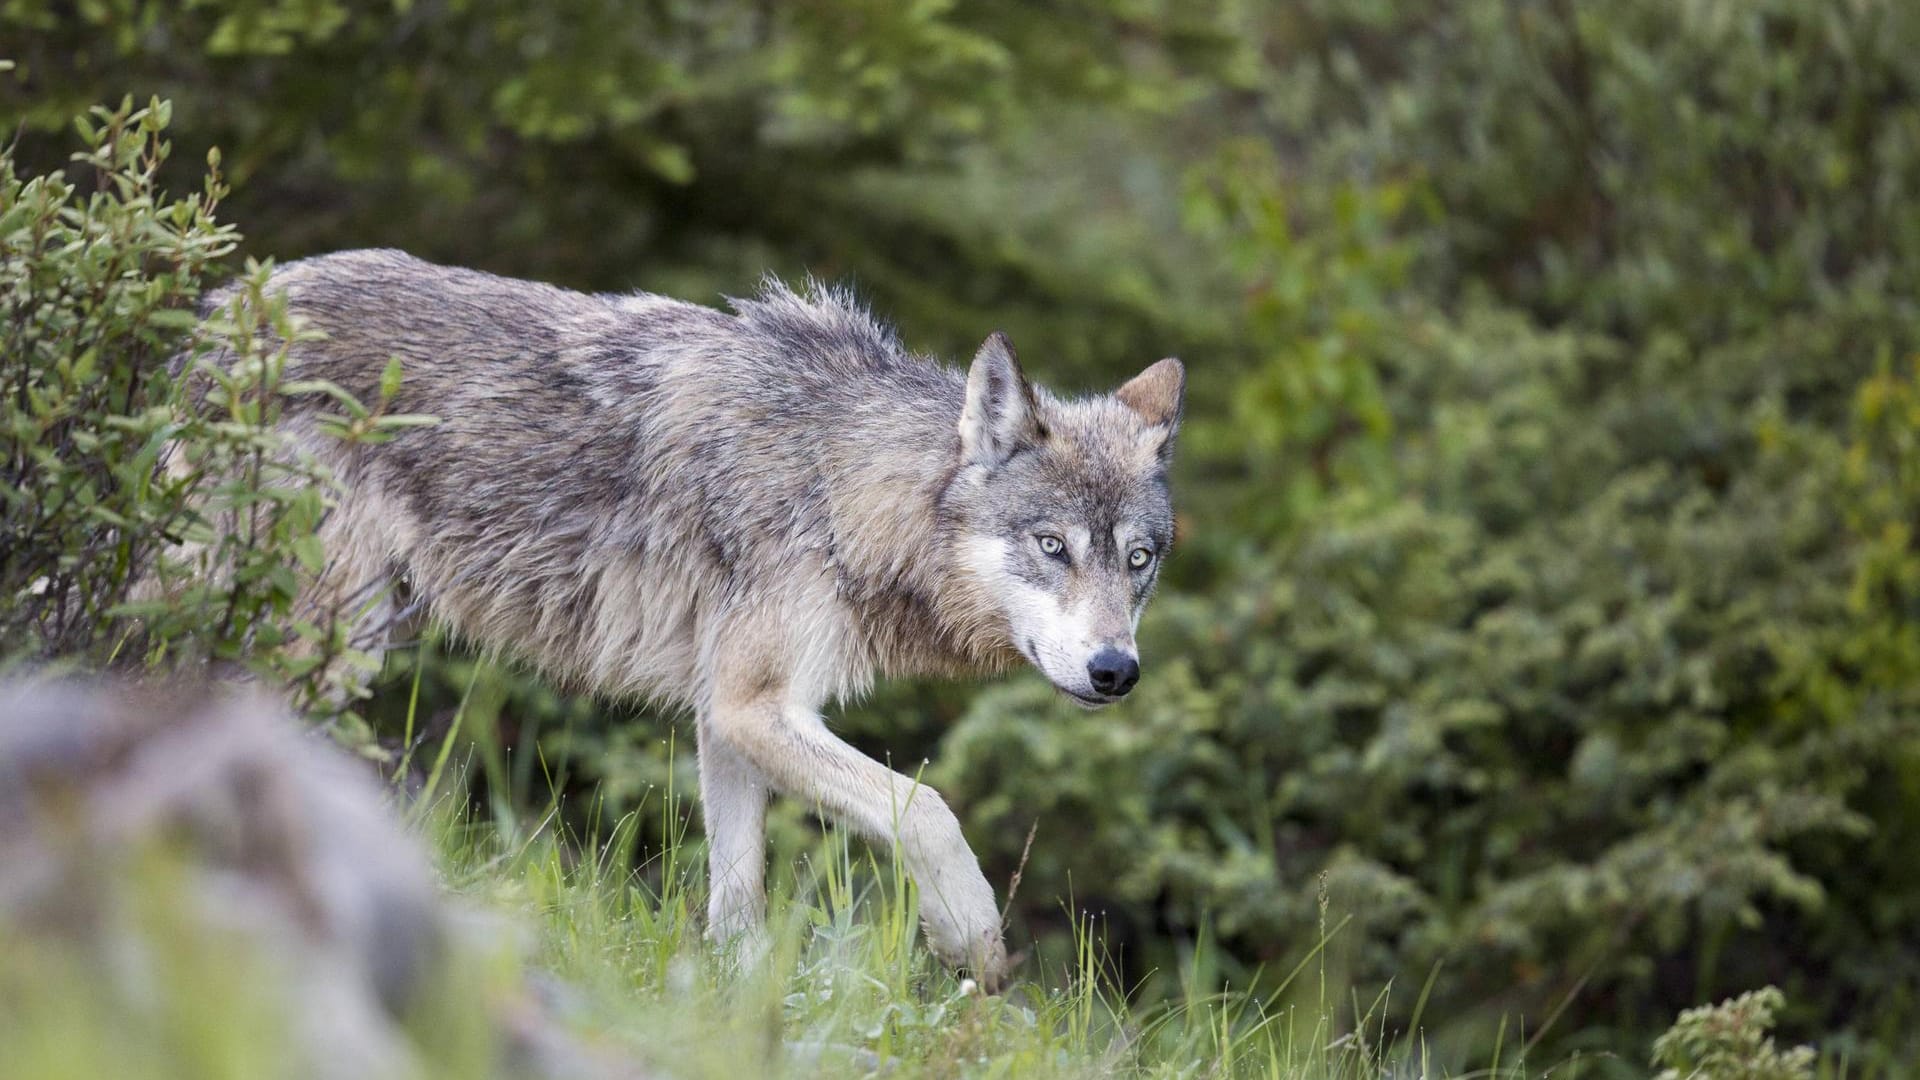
x: 1087, y: 700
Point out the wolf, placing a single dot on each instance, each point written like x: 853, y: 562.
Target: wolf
x: 751, y: 513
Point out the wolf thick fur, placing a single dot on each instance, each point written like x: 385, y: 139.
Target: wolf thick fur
x: 751, y: 514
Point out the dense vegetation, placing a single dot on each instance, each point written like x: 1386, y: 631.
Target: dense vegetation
x: 1544, y: 617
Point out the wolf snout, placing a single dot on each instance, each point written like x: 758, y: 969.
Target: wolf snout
x: 1113, y: 672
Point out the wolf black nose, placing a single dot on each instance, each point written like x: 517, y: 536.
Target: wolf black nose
x: 1113, y: 672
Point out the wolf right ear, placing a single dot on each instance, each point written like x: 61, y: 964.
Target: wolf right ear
x: 1156, y: 393
x: 1000, y: 415
x: 1157, y: 396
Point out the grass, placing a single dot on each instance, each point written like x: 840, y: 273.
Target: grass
x: 841, y: 985
x: 566, y: 933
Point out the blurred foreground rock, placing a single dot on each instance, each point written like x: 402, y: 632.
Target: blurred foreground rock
x: 157, y: 844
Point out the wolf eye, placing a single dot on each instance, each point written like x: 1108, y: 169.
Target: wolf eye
x: 1052, y: 546
x: 1139, y: 557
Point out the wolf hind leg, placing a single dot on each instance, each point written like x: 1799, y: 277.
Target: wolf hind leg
x: 793, y: 748
x: 364, y: 597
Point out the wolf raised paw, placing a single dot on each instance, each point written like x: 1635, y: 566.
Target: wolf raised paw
x: 983, y: 954
x: 976, y: 946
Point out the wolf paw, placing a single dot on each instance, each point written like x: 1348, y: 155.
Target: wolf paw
x: 968, y: 936
x: 982, y: 954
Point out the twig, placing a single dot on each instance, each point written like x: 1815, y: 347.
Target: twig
x: 1013, y: 886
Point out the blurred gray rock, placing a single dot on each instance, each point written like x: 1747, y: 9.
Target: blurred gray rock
x: 277, y: 845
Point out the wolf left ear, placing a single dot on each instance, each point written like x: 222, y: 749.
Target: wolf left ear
x: 1157, y: 393
x: 1000, y: 415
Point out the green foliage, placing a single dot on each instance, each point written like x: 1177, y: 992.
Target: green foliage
x: 1576, y: 662
x: 591, y: 141
x: 150, y: 515
x: 1322, y: 264
x: 1730, y: 1041
x: 1529, y: 714
x: 93, y: 290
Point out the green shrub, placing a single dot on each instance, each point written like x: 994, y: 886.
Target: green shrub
x: 98, y: 291
x: 1537, y: 715
x: 150, y: 515
x: 1730, y: 1041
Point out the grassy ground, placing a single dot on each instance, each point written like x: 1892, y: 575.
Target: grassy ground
x: 842, y: 985
x: 563, y: 933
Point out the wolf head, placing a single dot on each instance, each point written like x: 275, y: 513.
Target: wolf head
x: 1062, y: 515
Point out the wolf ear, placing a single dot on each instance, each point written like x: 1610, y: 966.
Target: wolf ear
x: 1156, y: 393
x: 1000, y: 415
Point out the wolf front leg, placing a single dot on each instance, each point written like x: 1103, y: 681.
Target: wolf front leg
x: 733, y: 801
x: 791, y: 745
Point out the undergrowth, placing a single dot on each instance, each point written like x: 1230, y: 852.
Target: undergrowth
x: 561, y: 932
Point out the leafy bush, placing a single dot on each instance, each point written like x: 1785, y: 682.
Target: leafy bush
x: 1730, y: 1041
x: 97, y: 293
x: 1577, y: 664
x: 150, y: 515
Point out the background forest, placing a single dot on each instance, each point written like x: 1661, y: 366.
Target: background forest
x: 1544, y: 615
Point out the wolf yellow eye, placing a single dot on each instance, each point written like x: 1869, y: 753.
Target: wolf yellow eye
x: 1139, y: 557
x: 1052, y: 546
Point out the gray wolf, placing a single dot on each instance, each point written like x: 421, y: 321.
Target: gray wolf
x: 751, y: 514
